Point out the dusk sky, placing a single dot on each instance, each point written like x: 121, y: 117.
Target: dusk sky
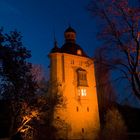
x: 37, y: 20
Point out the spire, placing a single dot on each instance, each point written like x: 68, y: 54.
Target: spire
x: 55, y: 48
x: 55, y: 43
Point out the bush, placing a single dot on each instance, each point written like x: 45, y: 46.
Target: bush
x: 114, y: 128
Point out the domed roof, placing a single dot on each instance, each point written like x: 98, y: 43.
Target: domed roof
x: 72, y: 48
x: 69, y: 46
x: 70, y: 29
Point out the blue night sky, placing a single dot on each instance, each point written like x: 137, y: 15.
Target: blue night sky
x: 37, y: 20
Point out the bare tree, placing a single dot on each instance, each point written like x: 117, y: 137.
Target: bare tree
x: 119, y: 31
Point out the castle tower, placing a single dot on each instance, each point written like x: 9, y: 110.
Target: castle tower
x: 72, y: 75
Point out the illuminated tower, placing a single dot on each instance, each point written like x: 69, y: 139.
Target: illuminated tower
x: 72, y: 75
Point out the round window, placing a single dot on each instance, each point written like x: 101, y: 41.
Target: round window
x: 79, y: 52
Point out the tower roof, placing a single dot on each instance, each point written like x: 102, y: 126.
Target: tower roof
x: 72, y: 48
x: 70, y: 29
x: 69, y: 46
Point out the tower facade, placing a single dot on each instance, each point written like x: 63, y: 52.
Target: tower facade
x: 72, y: 76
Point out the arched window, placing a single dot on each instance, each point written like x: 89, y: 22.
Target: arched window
x: 81, y: 77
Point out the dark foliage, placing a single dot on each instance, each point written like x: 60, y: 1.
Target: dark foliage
x: 4, y: 119
x: 16, y: 81
x: 131, y: 116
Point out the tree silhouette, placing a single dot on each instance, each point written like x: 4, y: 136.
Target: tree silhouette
x: 17, y: 85
x: 23, y: 87
x: 115, y: 128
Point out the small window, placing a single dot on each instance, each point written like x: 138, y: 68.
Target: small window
x: 79, y: 52
x: 87, y: 109
x: 83, y: 130
x: 77, y: 109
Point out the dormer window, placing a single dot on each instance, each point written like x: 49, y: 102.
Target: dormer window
x: 81, y: 77
x: 79, y: 52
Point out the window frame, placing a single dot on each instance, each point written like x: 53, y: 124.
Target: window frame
x: 82, y: 77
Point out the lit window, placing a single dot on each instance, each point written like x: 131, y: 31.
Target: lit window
x: 83, y: 92
x: 79, y: 92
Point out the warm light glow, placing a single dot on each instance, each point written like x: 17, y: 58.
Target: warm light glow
x: 26, y: 119
x: 79, y: 52
x: 78, y: 86
x: 79, y: 92
x: 82, y: 92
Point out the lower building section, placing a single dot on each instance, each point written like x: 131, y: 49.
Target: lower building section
x: 77, y: 121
